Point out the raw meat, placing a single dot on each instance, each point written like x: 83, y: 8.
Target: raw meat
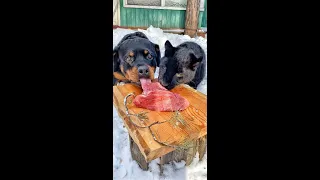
x: 157, y: 98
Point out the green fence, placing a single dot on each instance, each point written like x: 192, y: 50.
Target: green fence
x: 162, y: 18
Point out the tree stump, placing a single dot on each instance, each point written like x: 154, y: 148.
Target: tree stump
x: 192, y: 14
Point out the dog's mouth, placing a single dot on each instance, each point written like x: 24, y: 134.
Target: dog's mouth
x: 141, y: 73
x: 144, y: 80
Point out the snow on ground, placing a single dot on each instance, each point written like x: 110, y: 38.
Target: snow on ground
x: 123, y: 165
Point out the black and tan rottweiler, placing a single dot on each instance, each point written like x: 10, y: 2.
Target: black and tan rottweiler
x: 184, y: 64
x: 135, y: 57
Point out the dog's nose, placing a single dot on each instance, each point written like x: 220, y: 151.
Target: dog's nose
x: 143, y: 71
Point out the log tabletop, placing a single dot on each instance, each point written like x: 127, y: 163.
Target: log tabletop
x: 170, y: 128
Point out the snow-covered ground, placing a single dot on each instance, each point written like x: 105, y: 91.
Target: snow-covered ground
x: 123, y: 165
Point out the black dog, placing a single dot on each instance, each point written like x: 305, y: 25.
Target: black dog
x: 184, y: 64
x: 135, y: 57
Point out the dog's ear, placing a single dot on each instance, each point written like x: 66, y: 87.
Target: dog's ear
x: 140, y: 34
x: 194, y: 61
x: 168, y: 45
x: 157, y: 48
x: 169, y: 49
x: 116, y: 60
x: 132, y: 36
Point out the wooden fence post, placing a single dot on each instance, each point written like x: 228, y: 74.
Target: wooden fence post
x: 192, y: 14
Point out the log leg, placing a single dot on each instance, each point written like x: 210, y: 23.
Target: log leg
x: 161, y: 165
x: 202, y: 147
x: 177, y: 155
x: 137, y: 156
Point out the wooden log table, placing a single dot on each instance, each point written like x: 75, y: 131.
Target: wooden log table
x: 172, y: 136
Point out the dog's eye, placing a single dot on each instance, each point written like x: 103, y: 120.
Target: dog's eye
x: 149, y: 57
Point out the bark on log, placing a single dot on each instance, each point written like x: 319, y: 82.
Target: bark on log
x: 137, y: 155
x: 177, y: 155
x: 192, y: 14
x: 202, y: 147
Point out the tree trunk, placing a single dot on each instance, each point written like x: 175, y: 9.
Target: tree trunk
x: 192, y: 14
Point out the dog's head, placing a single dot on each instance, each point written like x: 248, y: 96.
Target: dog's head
x: 179, y: 64
x: 136, y: 57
